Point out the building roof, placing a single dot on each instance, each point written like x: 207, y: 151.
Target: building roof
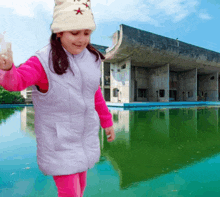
x: 100, y: 48
x: 151, y: 50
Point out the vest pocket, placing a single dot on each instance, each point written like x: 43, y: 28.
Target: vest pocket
x: 66, y: 137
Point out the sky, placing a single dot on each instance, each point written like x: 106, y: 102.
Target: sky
x: 27, y: 22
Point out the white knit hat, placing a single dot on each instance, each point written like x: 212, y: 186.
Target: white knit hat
x: 72, y: 15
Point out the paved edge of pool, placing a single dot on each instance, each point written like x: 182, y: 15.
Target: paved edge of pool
x: 15, y: 105
x: 139, y: 104
x: 162, y: 104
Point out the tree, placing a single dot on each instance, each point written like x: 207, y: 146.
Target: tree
x: 7, y: 97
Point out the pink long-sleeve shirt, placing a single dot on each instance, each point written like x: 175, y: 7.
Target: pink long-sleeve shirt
x: 32, y: 73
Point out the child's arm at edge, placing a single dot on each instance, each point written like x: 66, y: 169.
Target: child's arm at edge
x: 102, y: 110
x: 17, y: 79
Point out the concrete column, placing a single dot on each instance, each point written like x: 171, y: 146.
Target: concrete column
x: 159, y: 82
x: 127, y: 78
x: 121, y: 80
x: 168, y: 83
x: 102, y: 78
x: 196, y: 84
x: 141, y: 77
x: 124, y: 82
x: 113, y: 81
x: 208, y: 87
x: 132, y: 83
x: 187, y: 85
x: 218, y: 87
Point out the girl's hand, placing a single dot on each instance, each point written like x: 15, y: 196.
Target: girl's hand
x: 6, y: 57
x: 110, y: 133
x: 6, y: 61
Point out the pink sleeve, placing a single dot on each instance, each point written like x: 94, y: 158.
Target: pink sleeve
x: 28, y: 74
x: 102, y: 110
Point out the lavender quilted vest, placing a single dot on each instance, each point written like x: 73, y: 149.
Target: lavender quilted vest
x: 66, y: 122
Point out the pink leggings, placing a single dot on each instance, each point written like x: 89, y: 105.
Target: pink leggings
x: 72, y: 185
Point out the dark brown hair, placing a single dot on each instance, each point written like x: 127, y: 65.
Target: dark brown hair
x: 59, y: 56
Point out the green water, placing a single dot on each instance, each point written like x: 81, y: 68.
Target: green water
x: 156, y: 153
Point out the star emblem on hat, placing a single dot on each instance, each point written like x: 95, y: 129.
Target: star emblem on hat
x: 87, y: 6
x: 79, y: 11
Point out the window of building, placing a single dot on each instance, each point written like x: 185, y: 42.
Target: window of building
x: 162, y: 93
x: 190, y: 94
x: 115, y: 92
x: 212, y: 78
x: 124, y: 66
x: 142, y: 93
x: 107, y: 80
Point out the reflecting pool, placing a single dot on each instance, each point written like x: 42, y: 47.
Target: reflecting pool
x: 156, y: 153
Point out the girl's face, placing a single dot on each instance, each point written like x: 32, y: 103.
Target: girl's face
x: 75, y: 41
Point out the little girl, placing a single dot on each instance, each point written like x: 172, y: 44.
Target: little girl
x: 65, y: 78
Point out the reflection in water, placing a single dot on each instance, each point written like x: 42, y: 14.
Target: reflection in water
x: 152, y: 143
x: 5, y: 113
x: 27, y: 122
x: 161, y: 141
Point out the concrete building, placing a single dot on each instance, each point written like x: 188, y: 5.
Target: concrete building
x: 27, y: 93
x: 145, y: 67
